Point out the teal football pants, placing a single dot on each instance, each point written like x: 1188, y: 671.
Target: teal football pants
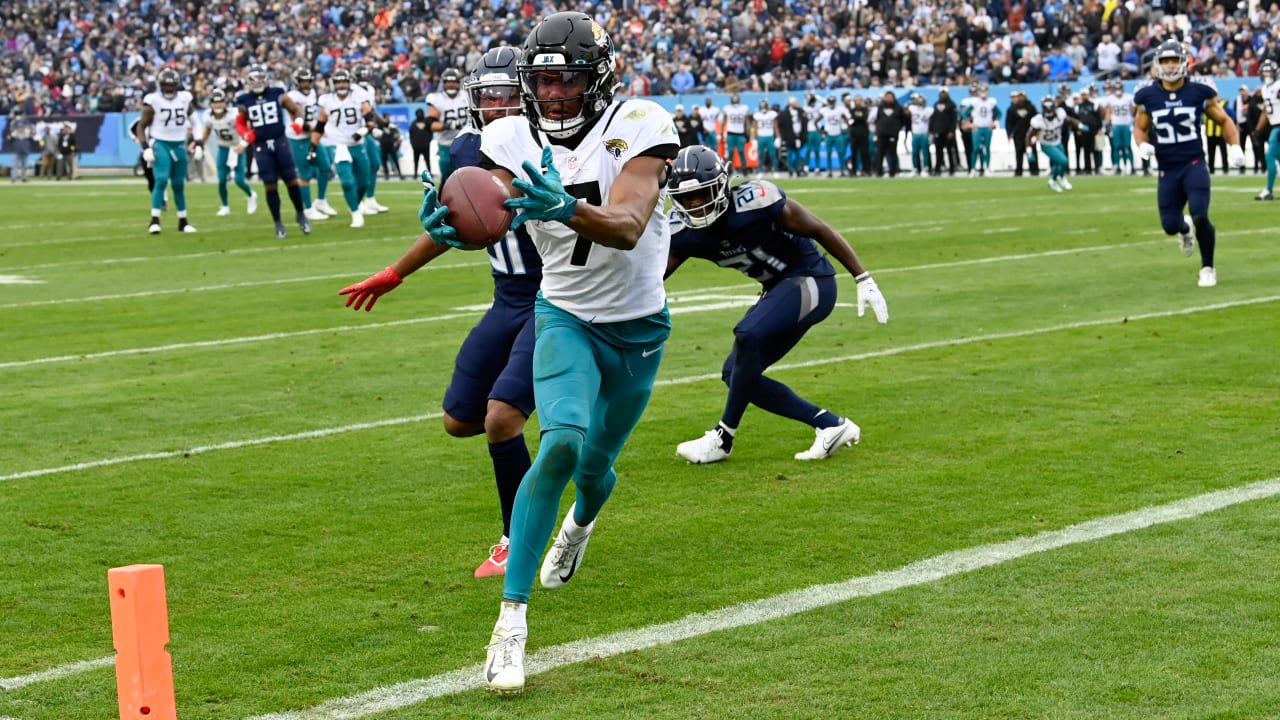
x: 170, y: 168
x: 591, y: 383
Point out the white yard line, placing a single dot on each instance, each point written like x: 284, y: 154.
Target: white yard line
x: 952, y: 342
x: 13, y: 683
x: 939, y: 567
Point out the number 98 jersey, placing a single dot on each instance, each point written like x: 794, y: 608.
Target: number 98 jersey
x: 1176, y: 119
x: 266, y: 113
x: 749, y: 240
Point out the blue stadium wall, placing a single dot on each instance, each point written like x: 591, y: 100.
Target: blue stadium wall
x: 104, y: 142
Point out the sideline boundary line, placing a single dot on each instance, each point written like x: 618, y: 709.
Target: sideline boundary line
x: 938, y: 567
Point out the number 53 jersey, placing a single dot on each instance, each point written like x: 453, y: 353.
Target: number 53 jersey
x: 1176, y: 119
x: 595, y: 283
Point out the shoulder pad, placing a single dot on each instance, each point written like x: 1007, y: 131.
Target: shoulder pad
x: 756, y: 194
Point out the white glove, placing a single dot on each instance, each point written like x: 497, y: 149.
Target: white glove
x: 1146, y: 151
x: 1235, y: 156
x: 233, y: 158
x: 869, y: 294
x: 148, y: 155
x: 377, y: 133
x: 198, y: 153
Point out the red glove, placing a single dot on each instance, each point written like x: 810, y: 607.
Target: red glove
x: 242, y: 127
x: 371, y: 289
x: 297, y: 128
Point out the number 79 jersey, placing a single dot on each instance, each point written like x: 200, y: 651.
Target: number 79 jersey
x: 595, y: 283
x: 1176, y: 119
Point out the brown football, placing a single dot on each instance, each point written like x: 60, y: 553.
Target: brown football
x: 474, y: 197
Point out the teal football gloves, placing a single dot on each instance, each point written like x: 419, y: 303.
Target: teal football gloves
x: 432, y: 216
x: 544, y: 198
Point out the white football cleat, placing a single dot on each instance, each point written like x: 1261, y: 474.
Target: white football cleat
x: 1264, y: 195
x: 223, y: 211
x: 367, y: 207
x: 504, y: 662
x: 380, y: 207
x: 1064, y: 182
x: 154, y: 227
x: 324, y: 207
x: 187, y: 228
x: 252, y: 205
x: 830, y: 440
x: 565, y: 555
x: 312, y: 213
x: 1188, y: 237
x: 704, y: 450
x: 357, y: 219
x: 1054, y: 186
x: 1208, y: 277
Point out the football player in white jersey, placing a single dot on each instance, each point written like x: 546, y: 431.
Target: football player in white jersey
x: 588, y: 172
x: 304, y: 96
x: 448, y: 111
x: 1270, y: 74
x: 167, y: 119
x: 984, y: 114
x: 221, y: 126
x: 835, y: 129
x: 363, y: 83
x: 736, y: 116
x: 921, y: 112
x: 1049, y: 127
x: 765, y: 121
x: 1118, y: 115
x: 340, y: 128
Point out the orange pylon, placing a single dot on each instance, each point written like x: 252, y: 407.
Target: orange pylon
x: 140, y: 633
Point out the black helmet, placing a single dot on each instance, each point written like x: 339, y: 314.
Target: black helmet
x: 699, y: 186
x: 569, y: 48
x: 169, y: 82
x: 1049, y: 106
x: 494, y: 78
x: 451, y: 76
x: 302, y: 75
x: 363, y: 73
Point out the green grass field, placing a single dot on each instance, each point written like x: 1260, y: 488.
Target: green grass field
x: 206, y: 402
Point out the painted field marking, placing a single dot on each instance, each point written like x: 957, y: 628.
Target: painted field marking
x: 939, y: 567
x: 951, y: 342
x: 13, y: 683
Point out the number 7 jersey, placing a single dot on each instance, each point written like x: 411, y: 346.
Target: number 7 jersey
x: 595, y: 283
x: 1176, y: 119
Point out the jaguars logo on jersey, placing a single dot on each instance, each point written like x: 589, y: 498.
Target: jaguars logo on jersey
x: 616, y: 147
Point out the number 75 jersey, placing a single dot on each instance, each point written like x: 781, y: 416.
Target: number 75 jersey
x: 1176, y: 119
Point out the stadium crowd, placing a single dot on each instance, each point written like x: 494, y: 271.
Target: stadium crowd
x: 77, y: 56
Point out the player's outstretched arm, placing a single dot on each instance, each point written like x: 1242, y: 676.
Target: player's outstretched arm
x: 798, y: 220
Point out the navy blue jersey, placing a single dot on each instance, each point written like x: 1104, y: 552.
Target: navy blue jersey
x: 513, y: 256
x: 1176, y: 119
x: 748, y: 238
x: 266, y: 113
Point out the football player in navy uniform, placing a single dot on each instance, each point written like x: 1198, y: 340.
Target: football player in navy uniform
x: 492, y: 387
x: 586, y: 172
x: 1171, y: 112
x: 261, y: 122
x: 756, y: 229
